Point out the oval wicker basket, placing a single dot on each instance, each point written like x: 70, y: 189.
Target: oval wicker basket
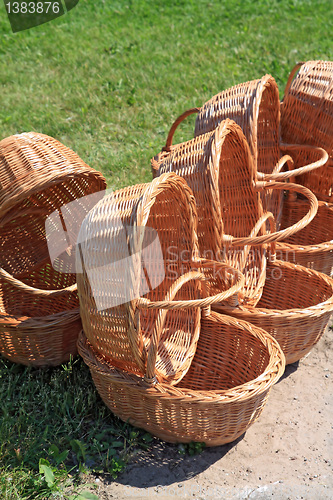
x: 295, y: 307
x: 37, y: 327
x: 38, y: 175
x: 255, y: 106
x: 119, y: 257
x: 223, y: 393
x: 307, y: 118
x: 218, y: 167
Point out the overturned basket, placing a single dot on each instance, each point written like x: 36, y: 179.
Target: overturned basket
x: 37, y: 327
x: 218, y: 167
x: 223, y: 393
x: 138, y: 257
x: 41, y: 181
x: 307, y: 118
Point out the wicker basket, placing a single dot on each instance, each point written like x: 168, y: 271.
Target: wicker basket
x: 312, y: 246
x: 38, y: 175
x: 295, y: 307
x: 307, y: 118
x: 255, y: 107
x: 218, y: 167
x: 37, y: 327
x: 118, y: 322
x: 223, y: 393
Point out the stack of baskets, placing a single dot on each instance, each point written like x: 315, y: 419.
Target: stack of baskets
x: 39, y: 307
x: 188, y: 316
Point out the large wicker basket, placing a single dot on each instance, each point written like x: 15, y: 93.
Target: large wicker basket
x: 295, y: 307
x: 255, y: 107
x: 218, y: 167
x: 38, y: 176
x: 37, y: 327
x: 146, y: 235
x: 223, y: 393
x: 307, y: 118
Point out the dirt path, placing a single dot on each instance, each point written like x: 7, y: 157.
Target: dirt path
x: 286, y: 454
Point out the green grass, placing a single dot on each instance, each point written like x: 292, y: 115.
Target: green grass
x: 107, y: 80
x: 54, y: 429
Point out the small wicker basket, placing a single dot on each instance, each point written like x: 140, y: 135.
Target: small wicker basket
x: 38, y: 176
x: 223, y: 393
x: 37, y: 327
x: 307, y: 118
x: 120, y: 257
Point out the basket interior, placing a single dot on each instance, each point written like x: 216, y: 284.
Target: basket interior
x: 293, y: 287
x: 227, y: 356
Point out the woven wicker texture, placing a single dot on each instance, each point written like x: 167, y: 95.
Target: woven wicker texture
x: 37, y: 327
x: 255, y: 106
x: 307, y: 118
x: 219, y: 169
x: 38, y: 175
x: 295, y: 307
x: 223, y: 393
x: 312, y: 246
x: 124, y: 327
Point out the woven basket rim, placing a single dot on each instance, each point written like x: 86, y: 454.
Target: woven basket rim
x: 162, y: 390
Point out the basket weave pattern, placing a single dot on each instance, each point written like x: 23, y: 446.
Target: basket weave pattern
x: 222, y: 394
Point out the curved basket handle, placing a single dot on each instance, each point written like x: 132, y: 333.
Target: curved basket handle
x: 174, y: 126
x: 168, y: 304
x: 278, y: 175
x: 150, y: 375
x: 284, y: 233
x: 35, y: 291
x: 291, y: 76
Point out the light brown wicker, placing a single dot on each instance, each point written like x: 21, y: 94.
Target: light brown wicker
x: 118, y: 322
x: 38, y: 175
x: 223, y: 393
x: 255, y: 107
x: 307, y: 118
x: 295, y: 307
x: 312, y: 246
x: 218, y: 167
x: 37, y: 327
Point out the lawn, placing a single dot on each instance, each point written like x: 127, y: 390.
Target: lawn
x: 107, y: 79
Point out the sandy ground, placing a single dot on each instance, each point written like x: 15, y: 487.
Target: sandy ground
x: 286, y: 454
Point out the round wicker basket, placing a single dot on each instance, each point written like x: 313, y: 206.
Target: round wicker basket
x: 223, y: 393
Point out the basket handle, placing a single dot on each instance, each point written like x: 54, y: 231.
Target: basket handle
x: 169, y: 304
x: 291, y: 76
x: 285, y: 233
x: 150, y: 376
x: 35, y: 291
x: 175, y: 124
x: 278, y: 175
